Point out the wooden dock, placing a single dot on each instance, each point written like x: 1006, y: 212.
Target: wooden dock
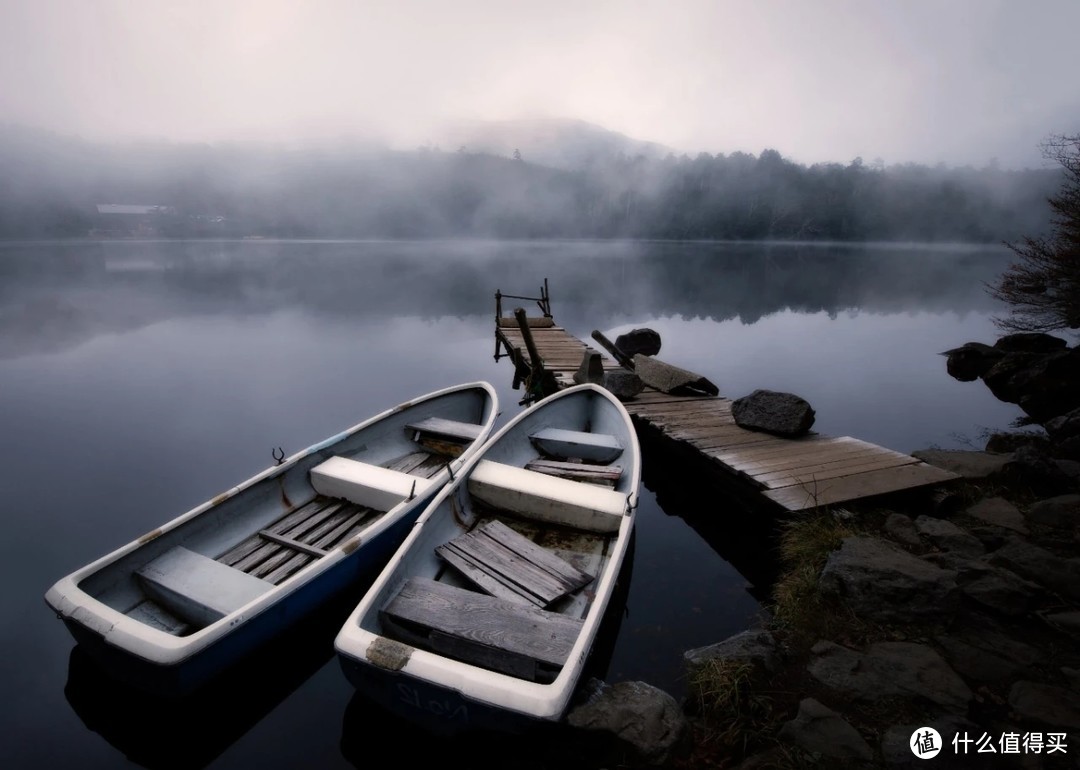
x: 795, y: 474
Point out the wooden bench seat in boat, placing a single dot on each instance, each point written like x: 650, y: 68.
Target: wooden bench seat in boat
x: 510, y: 566
x: 199, y: 589
x: 607, y: 475
x: 547, y: 498
x: 595, y: 447
x: 451, y: 429
x: 447, y: 437
x: 510, y: 637
x: 364, y: 484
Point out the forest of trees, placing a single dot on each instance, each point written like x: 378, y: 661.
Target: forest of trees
x: 50, y: 185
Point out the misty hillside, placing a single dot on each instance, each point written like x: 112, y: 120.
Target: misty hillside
x: 559, y: 143
x: 51, y: 186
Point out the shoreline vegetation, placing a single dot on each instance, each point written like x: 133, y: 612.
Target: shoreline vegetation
x: 67, y: 187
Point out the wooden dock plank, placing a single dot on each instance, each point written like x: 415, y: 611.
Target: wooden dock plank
x: 850, y: 467
x: 809, y: 460
x: 794, y: 473
x: 870, y: 484
x: 803, y: 457
x: 780, y: 446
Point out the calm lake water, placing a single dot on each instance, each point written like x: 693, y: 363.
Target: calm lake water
x: 139, y: 379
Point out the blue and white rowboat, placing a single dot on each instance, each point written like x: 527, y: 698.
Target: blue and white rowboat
x: 183, y: 602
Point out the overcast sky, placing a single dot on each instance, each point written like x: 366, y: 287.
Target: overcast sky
x: 959, y: 81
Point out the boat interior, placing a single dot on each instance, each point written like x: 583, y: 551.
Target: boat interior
x: 504, y: 578
x: 249, y: 543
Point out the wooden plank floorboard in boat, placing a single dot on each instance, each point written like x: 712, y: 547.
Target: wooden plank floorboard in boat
x: 253, y: 550
x: 513, y: 563
x: 587, y: 552
x: 248, y: 545
x: 515, y: 630
x: 300, y: 560
x: 288, y: 542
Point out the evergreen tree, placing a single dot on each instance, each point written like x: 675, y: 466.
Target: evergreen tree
x: 1043, y: 287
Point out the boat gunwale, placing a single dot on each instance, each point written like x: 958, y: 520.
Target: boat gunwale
x: 73, y: 604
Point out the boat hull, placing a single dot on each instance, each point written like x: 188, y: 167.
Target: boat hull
x: 95, y: 602
x: 450, y: 680
x: 187, y: 676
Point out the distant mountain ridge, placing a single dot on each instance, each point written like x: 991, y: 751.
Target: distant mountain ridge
x: 556, y: 142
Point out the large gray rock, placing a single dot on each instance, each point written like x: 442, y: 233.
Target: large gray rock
x: 889, y: 669
x: 1041, y: 473
x: 623, y: 385
x: 901, y: 529
x: 1050, y: 386
x: 820, y: 730
x: 987, y: 655
x: 998, y: 512
x: 880, y: 581
x: 1064, y: 426
x: 948, y: 537
x: 1045, y: 704
x: 966, y: 463
x: 646, y: 718
x: 1031, y: 342
x: 1041, y: 566
x: 1060, y: 511
x: 671, y: 379
x: 971, y: 360
x: 644, y: 341
x: 1003, y: 443
x: 755, y: 646
x: 783, y: 414
x: 998, y: 589
x: 1000, y: 377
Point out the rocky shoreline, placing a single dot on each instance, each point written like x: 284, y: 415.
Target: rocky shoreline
x: 959, y: 613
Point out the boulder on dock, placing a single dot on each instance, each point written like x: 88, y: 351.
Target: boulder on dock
x: 644, y: 341
x: 672, y: 379
x: 623, y: 385
x: 784, y: 414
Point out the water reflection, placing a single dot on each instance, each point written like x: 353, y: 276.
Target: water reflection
x: 192, y: 732
x: 733, y: 527
x: 60, y: 294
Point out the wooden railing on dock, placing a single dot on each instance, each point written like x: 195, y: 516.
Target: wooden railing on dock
x: 795, y: 474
